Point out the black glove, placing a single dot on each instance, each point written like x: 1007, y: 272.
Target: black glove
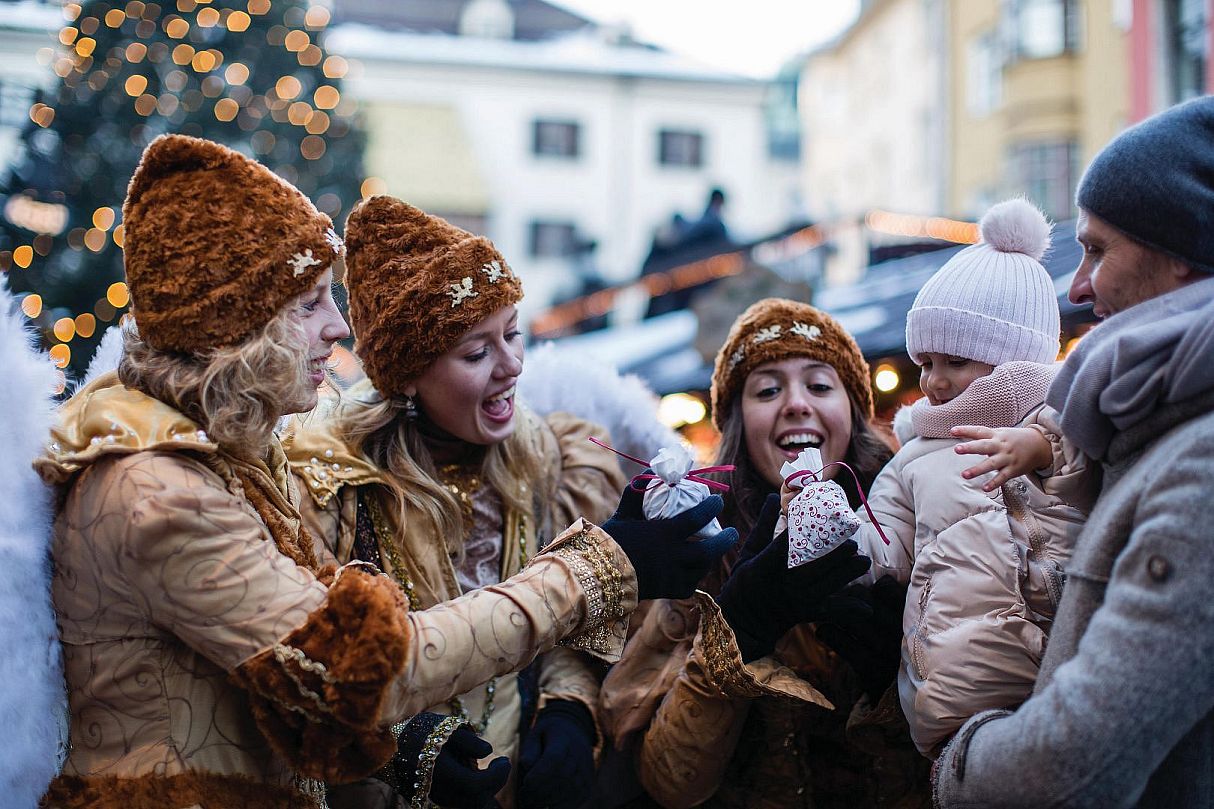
x: 762, y: 598
x: 556, y: 762
x: 863, y: 625
x: 667, y: 565
x: 458, y: 783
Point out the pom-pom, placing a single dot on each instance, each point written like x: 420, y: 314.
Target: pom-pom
x: 1016, y: 226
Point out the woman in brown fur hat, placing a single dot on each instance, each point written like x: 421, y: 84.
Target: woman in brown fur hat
x: 788, y: 377
x: 433, y: 471
x: 214, y: 656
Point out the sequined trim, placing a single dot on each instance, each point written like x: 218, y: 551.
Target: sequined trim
x: 602, y: 582
x: 429, y: 755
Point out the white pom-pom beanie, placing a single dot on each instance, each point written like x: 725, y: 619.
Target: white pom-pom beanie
x: 992, y: 302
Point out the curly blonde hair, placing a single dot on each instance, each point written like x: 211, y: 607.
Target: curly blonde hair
x: 236, y: 393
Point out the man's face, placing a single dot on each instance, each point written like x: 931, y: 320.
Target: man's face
x: 1117, y: 272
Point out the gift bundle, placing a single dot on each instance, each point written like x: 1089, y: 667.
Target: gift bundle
x: 818, y: 518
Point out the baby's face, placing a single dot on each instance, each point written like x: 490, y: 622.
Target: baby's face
x: 942, y: 377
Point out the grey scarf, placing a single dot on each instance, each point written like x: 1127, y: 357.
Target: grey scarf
x: 1157, y: 353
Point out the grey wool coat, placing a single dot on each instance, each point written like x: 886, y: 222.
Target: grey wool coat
x: 1123, y: 712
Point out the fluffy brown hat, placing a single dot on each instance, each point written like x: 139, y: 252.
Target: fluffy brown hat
x: 416, y: 285
x: 775, y: 329
x: 216, y: 244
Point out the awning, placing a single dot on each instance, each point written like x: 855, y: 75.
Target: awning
x: 424, y: 156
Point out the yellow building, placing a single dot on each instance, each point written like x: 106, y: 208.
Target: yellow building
x: 1037, y: 87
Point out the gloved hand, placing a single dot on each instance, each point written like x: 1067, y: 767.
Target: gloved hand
x: 762, y: 598
x: 863, y: 625
x: 556, y: 762
x: 667, y: 564
x: 458, y: 782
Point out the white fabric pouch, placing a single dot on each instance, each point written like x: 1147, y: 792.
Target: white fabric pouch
x: 674, y: 493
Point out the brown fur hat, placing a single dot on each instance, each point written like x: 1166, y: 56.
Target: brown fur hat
x: 216, y: 244
x: 416, y: 285
x: 775, y: 329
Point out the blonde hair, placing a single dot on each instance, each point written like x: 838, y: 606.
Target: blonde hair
x: 514, y: 467
x: 236, y: 393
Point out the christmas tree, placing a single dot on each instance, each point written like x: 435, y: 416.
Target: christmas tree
x: 253, y: 75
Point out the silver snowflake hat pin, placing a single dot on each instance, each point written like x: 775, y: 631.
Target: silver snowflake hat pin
x: 766, y: 335
x: 335, y: 241
x: 804, y: 330
x: 494, y: 271
x: 300, y: 262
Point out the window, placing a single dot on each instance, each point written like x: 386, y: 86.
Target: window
x: 555, y: 138
x: 552, y: 239
x: 1043, y: 28
x: 680, y: 148
x: 984, y: 76
x: 1185, y: 32
x: 1046, y: 172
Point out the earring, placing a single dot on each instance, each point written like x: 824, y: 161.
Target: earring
x: 410, y: 409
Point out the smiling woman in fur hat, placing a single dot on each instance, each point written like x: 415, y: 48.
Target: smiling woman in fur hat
x: 212, y: 656
x: 433, y: 471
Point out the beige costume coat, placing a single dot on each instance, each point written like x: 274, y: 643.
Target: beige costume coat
x: 585, y: 480
x: 208, y: 669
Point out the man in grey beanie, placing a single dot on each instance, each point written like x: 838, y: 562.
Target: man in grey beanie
x: 1123, y: 711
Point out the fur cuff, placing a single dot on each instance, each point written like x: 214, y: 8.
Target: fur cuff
x: 194, y: 789
x: 721, y: 659
x: 317, y: 694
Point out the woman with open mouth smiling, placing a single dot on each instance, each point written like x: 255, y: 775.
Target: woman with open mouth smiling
x: 787, y: 378
x: 434, y: 473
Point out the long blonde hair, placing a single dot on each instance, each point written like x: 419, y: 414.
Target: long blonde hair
x: 236, y: 393
x: 514, y: 468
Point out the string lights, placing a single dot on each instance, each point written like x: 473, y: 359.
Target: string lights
x: 172, y: 63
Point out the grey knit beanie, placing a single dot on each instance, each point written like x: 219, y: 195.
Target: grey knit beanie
x: 1155, y: 182
x: 993, y: 302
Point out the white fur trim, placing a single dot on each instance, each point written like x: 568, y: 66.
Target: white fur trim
x: 33, y: 701
x: 107, y: 355
x: 1016, y: 226
x: 555, y: 380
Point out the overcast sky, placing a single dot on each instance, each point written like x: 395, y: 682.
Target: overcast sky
x: 754, y: 37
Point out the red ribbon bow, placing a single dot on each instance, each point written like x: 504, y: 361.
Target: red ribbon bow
x: 693, y: 474
x: 805, y: 473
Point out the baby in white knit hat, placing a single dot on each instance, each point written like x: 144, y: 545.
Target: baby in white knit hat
x: 982, y: 554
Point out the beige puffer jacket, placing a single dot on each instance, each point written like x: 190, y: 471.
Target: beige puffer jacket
x: 985, y: 573
x: 205, y: 668
x: 586, y: 481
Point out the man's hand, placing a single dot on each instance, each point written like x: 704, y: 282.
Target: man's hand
x: 1011, y: 452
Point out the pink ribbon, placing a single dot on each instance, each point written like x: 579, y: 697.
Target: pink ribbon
x: 693, y: 475
x: 805, y: 473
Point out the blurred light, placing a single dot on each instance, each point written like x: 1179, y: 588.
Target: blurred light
x: 94, y: 239
x: 45, y: 56
x: 296, y: 41
x: 68, y: 35
x: 203, y: 62
x: 177, y: 28
x: 135, y: 85
x: 23, y: 255
x: 288, y: 87
x: 886, y: 378
x: 145, y: 104
x: 135, y: 52
x: 61, y: 354
x: 317, y: 17
x: 326, y: 97
x: 238, y: 22
x: 42, y: 244
x: 86, y: 324
x: 32, y: 305
x: 120, y: 235
x: 41, y: 114
x: 103, y: 218
x: 372, y: 186
x: 183, y: 54
x: 309, y: 56
x: 64, y: 329
x: 85, y: 46
x: 299, y: 112
x: 208, y: 17
x: 104, y: 310
x: 88, y: 25
x: 318, y: 123
x: 312, y: 147
x: 335, y: 67
x: 117, y: 295
x: 236, y: 73
x: 679, y: 409
x: 135, y: 9
x: 226, y: 109
x: 263, y: 141
x: 115, y: 17
x: 259, y: 6
x: 71, y: 11
x: 75, y: 238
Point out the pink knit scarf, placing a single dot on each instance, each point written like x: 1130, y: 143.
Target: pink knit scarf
x: 1001, y: 399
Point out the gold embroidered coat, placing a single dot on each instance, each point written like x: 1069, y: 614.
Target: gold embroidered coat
x: 206, y: 669
x: 587, y: 480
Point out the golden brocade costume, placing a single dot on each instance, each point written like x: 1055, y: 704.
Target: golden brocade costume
x: 209, y: 664
x: 584, y: 480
